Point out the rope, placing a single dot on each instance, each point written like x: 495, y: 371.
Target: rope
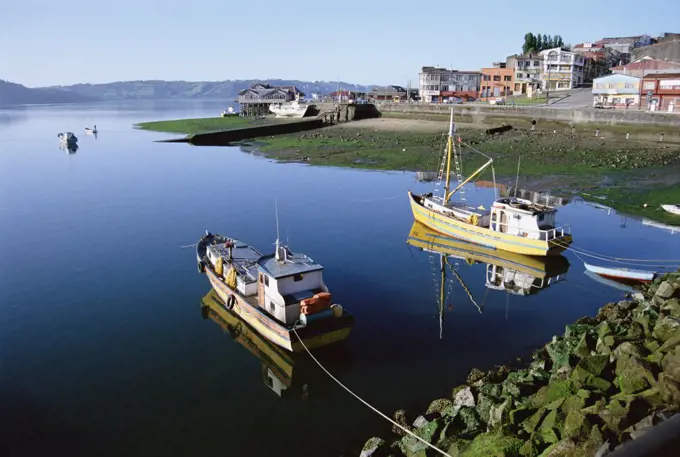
x: 188, y: 246
x: 365, y: 402
x: 614, y: 259
x: 593, y: 253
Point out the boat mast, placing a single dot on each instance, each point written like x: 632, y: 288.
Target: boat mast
x: 449, y: 146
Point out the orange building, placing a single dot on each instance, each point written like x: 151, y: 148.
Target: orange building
x: 496, y: 82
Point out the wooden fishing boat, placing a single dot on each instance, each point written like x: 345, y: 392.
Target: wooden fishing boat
x: 90, y: 131
x: 281, y: 295
x: 515, y: 273
x: 622, y: 273
x: 513, y: 224
x: 673, y: 209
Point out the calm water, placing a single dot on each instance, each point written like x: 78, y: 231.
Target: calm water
x: 103, y: 349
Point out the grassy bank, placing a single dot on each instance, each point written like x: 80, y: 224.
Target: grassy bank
x: 205, y: 125
x: 627, y: 173
x: 606, y: 381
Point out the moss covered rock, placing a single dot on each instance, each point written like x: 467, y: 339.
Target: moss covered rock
x: 633, y: 374
x: 594, y: 364
x: 493, y: 445
x: 584, y: 379
x: 575, y: 425
x: 551, y: 392
x: 665, y: 328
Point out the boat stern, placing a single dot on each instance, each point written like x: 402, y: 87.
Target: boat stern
x: 559, y: 244
x: 322, y: 332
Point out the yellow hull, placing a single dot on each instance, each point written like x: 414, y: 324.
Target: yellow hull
x: 424, y: 237
x: 484, y: 236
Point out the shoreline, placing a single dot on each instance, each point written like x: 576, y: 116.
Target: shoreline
x: 605, y: 382
x: 624, y: 167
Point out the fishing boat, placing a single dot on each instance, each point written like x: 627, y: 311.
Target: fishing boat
x: 673, y: 209
x: 622, y: 273
x: 67, y: 137
x: 281, y: 295
x: 515, y: 273
x: 91, y: 131
x: 512, y: 224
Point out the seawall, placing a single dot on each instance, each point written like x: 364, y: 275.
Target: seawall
x: 576, y: 116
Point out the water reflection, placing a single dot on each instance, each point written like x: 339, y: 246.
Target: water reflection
x: 286, y: 374
x: 69, y: 148
x: 516, y: 274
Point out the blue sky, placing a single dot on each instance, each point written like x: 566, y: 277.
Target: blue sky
x: 49, y: 42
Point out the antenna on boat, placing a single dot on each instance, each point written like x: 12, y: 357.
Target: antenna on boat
x: 278, y: 248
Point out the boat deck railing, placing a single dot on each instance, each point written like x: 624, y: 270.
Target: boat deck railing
x: 538, y: 234
x: 557, y: 232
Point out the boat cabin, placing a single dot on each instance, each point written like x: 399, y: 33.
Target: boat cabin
x: 520, y: 217
x: 286, y: 278
x: 243, y: 258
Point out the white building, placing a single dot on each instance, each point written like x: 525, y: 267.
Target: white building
x: 562, y: 70
x: 528, y: 70
x: 438, y: 85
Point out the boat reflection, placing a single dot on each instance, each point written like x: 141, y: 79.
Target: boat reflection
x: 514, y: 273
x: 284, y: 373
x: 69, y: 148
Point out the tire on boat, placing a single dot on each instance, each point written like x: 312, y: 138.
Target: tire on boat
x: 230, y: 301
x: 201, y: 267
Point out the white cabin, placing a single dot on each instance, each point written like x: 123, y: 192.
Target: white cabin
x: 520, y: 217
x: 285, y: 279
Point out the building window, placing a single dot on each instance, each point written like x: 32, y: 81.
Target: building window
x: 486, y: 77
x: 297, y: 277
x: 507, y: 78
x: 496, y: 77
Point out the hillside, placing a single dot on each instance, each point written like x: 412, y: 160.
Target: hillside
x: 220, y: 90
x: 16, y: 94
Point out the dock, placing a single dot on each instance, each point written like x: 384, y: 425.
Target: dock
x: 322, y: 115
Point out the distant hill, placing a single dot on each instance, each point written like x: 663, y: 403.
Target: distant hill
x: 220, y: 90
x: 16, y: 94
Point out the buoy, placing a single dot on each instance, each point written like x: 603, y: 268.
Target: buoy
x: 645, y: 205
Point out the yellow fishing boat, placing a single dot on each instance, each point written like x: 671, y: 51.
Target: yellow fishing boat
x: 515, y: 273
x: 512, y: 224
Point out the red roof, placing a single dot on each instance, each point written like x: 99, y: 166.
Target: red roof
x: 648, y: 64
x: 663, y: 76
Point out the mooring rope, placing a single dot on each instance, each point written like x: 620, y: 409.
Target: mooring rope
x: 467, y: 291
x: 624, y: 261
x: 189, y: 246
x: 365, y: 402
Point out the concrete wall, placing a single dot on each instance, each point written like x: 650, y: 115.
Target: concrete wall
x: 587, y: 115
x: 229, y: 136
x: 668, y: 50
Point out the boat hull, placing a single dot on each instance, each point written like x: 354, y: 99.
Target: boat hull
x: 622, y: 273
x: 484, y: 236
x: 673, y: 209
x: 323, y: 332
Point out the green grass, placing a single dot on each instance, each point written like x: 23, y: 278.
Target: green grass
x: 199, y: 125
x: 631, y: 200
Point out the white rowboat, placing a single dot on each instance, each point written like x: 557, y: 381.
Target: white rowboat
x: 621, y: 273
x: 673, y: 209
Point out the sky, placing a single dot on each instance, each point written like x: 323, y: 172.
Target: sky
x: 60, y: 42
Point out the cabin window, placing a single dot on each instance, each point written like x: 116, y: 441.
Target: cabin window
x: 297, y: 277
x: 266, y: 281
x: 261, y: 280
x: 541, y: 217
x: 271, y: 306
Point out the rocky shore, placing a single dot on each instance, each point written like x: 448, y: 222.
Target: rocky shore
x: 607, y: 380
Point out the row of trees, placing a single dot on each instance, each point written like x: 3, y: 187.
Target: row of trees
x: 537, y: 43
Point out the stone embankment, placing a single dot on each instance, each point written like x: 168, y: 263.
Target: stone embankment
x: 576, y: 116
x: 608, y: 380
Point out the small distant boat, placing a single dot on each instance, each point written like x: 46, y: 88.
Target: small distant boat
x: 67, y: 137
x: 281, y: 295
x: 622, y: 273
x: 673, y: 209
x: 90, y: 131
x: 296, y: 108
x: 229, y: 112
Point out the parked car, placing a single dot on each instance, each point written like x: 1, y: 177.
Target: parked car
x: 497, y: 101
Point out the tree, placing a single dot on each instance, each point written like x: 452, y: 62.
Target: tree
x: 529, y: 43
x: 559, y: 42
x: 539, y: 43
x: 551, y: 42
x: 545, y: 42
